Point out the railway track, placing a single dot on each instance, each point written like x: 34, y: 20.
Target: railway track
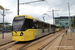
x: 14, y: 46
x: 25, y: 45
x: 7, y: 44
x: 17, y: 46
x: 49, y: 44
x: 37, y: 45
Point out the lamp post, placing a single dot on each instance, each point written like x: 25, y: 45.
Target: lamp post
x: 3, y: 22
x: 69, y: 20
x: 18, y: 8
x: 3, y: 19
x: 53, y: 18
x: 27, y: 3
x: 69, y: 15
x: 3, y: 25
x: 53, y: 13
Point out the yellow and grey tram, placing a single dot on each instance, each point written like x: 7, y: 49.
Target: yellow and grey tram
x: 26, y: 28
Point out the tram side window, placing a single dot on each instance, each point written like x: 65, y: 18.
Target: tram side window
x: 39, y: 25
x: 28, y: 23
x: 52, y: 27
x: 35, y: 24
x: 46, y: 26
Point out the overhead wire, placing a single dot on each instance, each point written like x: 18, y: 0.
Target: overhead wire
x: 39, y: 9
x: 34, y: 6
x: 49, y: 7
x: 47, y: 3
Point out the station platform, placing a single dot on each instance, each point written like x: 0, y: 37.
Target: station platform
x: 7, y: 38
x: 68, y: 42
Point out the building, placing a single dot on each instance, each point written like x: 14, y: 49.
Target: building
x: 63, y: 20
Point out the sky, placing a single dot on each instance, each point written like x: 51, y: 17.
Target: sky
x: 37, y: 9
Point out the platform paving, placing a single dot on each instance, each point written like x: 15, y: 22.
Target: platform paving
x: 7, y: 38
x: 68, y: 42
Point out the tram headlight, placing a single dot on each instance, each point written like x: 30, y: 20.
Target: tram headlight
x: 21, y: 34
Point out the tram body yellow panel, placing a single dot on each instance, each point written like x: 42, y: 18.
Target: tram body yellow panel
x: 16, y: 36
x: 27, y: 35
x: 16, y: 33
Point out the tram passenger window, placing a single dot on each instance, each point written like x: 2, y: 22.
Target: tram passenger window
x: 45, y: 25
x: 40, y: 25
x: 28, y: 23
x: 35, y: 24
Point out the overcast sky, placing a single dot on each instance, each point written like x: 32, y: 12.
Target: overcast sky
x: 37, y: 9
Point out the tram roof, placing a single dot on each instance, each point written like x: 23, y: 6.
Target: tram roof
x: 30, y: 17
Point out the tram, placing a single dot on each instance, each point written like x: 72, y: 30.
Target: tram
x: 27, y: 28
